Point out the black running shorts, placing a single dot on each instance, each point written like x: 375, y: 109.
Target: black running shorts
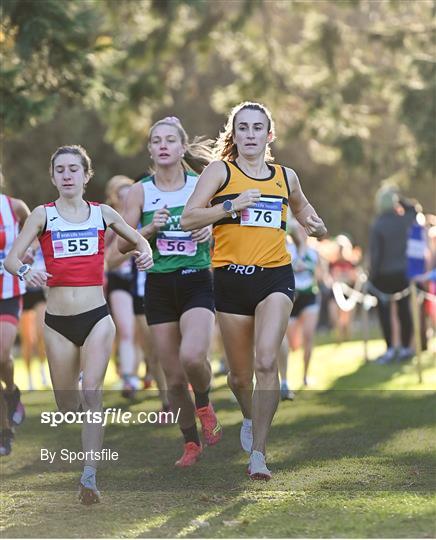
x: 10, y: 310
x: 303, y: 301
x: 32, y: 298
x: 239, y: 288
x: 116, y: 282
x: 138, y: 305
x: 168, y: 295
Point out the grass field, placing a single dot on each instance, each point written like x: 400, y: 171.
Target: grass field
x: 352, y: 457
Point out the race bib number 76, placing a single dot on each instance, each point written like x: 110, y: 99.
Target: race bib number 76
x: 75, y: 243
x: 265, y: 213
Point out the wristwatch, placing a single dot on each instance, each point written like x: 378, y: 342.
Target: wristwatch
x: 22, y: 271
x: 228, y: 207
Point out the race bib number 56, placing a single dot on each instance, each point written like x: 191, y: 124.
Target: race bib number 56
x: 265, y: 213
x: 176, y: 243
x: 75, y: 243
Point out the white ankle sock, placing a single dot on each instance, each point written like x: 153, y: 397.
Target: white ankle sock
x: 88, y: 477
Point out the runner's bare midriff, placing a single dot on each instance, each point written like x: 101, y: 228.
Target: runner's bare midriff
x: 74, y: 300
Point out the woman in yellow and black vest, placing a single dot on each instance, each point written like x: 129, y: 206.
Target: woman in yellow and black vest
x: 246, y: 197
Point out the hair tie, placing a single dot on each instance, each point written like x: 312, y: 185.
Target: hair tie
x: 172, y: 120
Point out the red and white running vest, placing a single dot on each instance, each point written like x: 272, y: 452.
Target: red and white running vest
x: 10, y: 285
x: 73, y: 252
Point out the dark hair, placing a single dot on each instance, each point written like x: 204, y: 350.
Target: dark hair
x: 76, y: 150
x: 198, y: 153
x: 225, y: 147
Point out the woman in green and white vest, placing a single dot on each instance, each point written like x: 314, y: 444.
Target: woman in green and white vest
x: 179, y: 303
x: 304, y: 315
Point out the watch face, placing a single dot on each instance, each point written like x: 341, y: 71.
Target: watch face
x: 228, y: 206
x: 23, y: 269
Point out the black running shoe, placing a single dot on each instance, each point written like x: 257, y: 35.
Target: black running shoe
x: 6, y: 437
x: 16, y: 411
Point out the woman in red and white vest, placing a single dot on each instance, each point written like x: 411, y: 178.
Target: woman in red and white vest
x: 78, y: 328
x: 13, y: 214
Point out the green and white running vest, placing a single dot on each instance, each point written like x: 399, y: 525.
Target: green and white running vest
x: 173, y: 249
x: 304, y: 266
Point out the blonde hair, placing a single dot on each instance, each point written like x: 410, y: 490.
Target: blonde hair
x: 225, y: 147
x: 198, y: 153
x: 113, y: 187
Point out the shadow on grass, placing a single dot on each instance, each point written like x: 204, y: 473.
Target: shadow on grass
x: 356, y: 432
x: 371, y: 374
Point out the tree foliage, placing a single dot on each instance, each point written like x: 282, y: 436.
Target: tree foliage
x: 47, y: 53
x: 350, y: 83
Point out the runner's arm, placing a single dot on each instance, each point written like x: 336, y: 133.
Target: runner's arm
x: 197, y: 212
x: 32, y: 227
x: 21, y: 210
x: 133, y: 210
x: 302, y: 210
x: 132, y: 239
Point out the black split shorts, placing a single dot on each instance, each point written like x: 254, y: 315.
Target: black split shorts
x: 302, y: 302
x: 32, y: 298
x: 168, y: 295
x: 115, y: 282
x: 10, y: 310
x: 240, y: 288
x: 138, y: 305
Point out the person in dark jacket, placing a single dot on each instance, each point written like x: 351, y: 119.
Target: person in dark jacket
x: 388, y: 268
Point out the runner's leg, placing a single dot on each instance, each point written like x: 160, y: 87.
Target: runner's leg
x: 64, y: 364
x: 309, y: 320
x: 122, y: 311
x: 196, y: 327
x: 166, y: 343
x: 238, y: 339
x: 95, y: 355
x: 271, y: 320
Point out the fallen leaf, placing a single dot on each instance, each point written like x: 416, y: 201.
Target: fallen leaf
x: 200, y: 523
x: 232, y: 523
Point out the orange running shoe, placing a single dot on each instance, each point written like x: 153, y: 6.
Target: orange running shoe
x: 191, y: 455
x: 88, y: 496
x: 211, y: 428
x: 147, y: 381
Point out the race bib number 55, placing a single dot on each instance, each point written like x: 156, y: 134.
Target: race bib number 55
x: 75, y: 243
x: 265, y: 213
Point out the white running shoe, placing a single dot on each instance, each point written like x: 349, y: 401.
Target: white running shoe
x: 388, y: 357
x: 135, y: 382
x: 257, y: 468
x: 246, y: 435
x: 291, y: 395
x: 285, y: 393
x: 405, y: 354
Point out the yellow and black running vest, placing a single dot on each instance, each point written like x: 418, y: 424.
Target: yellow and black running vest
x: 258, y: 235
